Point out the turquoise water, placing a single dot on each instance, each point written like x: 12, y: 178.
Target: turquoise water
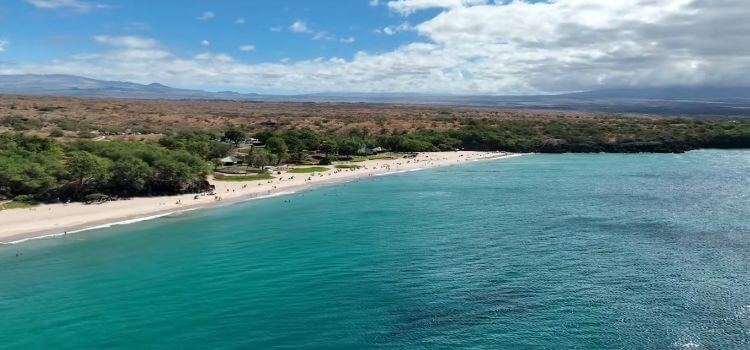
x: 544, y: 251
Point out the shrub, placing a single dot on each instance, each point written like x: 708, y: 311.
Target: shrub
x: 96, y: 197
x: 25, y: 198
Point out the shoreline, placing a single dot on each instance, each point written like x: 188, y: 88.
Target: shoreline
x: 44, y: 221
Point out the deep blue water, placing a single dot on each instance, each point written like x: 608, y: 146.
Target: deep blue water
x: 537, y: 252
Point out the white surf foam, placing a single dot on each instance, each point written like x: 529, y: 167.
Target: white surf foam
x: 139, y: 219
x: 399, y: 171
x: 107, y: 225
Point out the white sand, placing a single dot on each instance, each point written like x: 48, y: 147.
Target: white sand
x: 17, y: 225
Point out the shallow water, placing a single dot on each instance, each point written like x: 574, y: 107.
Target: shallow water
x: 544, y: 251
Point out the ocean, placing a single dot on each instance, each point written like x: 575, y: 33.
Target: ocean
x: 592, y: 251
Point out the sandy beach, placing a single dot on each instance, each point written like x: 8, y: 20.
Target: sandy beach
x: 50, y: 220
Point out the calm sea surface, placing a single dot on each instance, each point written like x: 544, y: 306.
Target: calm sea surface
x: 537, y: 252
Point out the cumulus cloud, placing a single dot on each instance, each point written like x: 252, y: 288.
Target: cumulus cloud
x: 132, y: 42
x: 126, y: 48
x: 407, y: 7
x: 478, y: 47
x: 3, y: 44
x: 205, y: 42
x: 64, y: 4
x: 348, y: 40
x: 247, y: 48
x: 395, y: 29
x: 219, y: 58
x: 322, y: 36
x: 299, y: 27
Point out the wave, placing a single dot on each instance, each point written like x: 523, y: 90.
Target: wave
x: 689, y: 345
x: 139, y: 219
x: 107, y: 225
x: 399, y: 171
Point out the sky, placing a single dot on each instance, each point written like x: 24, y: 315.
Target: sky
x: 495, y: 47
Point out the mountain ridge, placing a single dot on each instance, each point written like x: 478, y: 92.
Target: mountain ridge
x: 657, y: 100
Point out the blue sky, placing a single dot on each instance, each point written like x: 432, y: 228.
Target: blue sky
x: 432, y: 46
x: 39, y: 34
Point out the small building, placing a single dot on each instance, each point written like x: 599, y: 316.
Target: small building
x: 376, y: 150
x: 231, y: 160
x: 253, y: 141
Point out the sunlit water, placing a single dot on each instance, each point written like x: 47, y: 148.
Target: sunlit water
x: 544, y: 251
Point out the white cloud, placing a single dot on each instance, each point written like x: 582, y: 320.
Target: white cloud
x: 322, y: 36
x: 374, y: 3
x: 240, y: 21
x: 65, y: 4
x: 205, y: 42
x: 247, y: 48
x: 395, y: 29
x: 207, y: 15
x: 133, y: 42
x: 407, y: 7
x: 348, y: 40
x: 496, y: 48
x: 299, y: 27
x: 218, y: 58
x: 127, y: 48
x: 3, y: 44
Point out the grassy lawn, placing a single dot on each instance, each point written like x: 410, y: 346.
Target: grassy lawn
x: 236, y: 169
x: 360, y: 158
x: 388, y: 155
x: 347, y: 166
x: 15, y: 205
x: 312, y: 169
x: 263, y: 176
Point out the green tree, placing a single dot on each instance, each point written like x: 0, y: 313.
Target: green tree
x: 218, y: 150
x: 130, y: 176
x: 299, y: 156
x: 278, y: 147
x: 328, y: 147
x: 20, y: 176
x: 235, y: 136
x: 171, y: 176
x: 350, y: 146
x: 260, y: 158
x: 85, y: 171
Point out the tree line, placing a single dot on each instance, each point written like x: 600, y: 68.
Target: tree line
x: 623, y: 135
x: 36, y: 168
x: 43, y: 169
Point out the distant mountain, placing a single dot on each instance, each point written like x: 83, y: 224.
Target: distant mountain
x: 699, y: 101
x: 691, y: 101
x: 668, y: 93
x: 75, y: 86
